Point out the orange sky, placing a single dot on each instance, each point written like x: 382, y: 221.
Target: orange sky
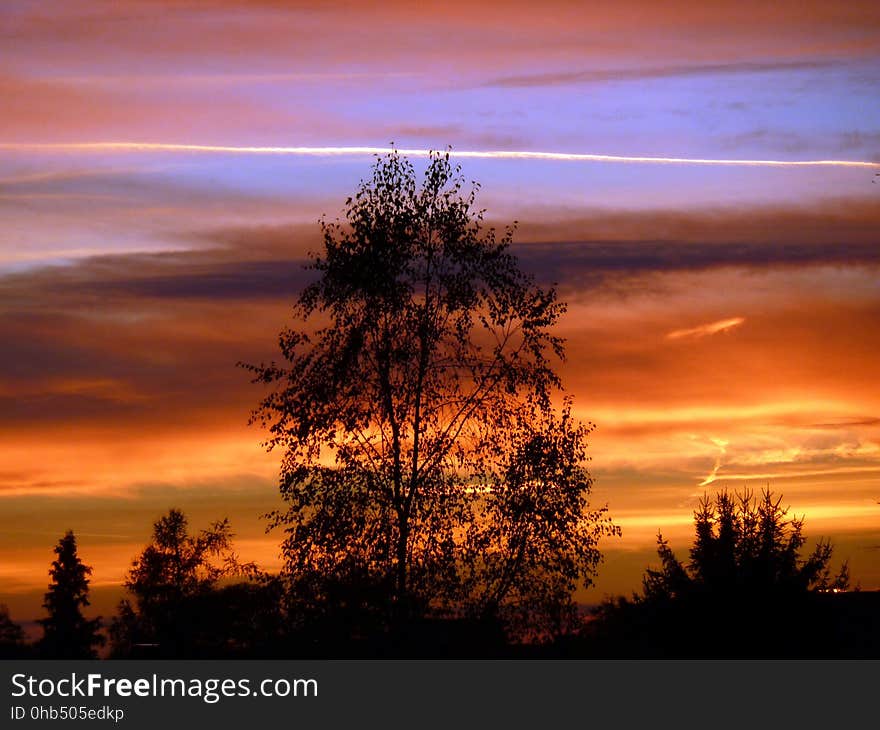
x: 722, y: 323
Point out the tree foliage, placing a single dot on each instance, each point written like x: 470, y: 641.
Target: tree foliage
x: 12, y: 644
x: 10, y: 632
x: 747, y: 589
x: 422, y: 458
x: 171, y: 581
x: 745, y: 545
x: 533, y: 539
x: 67, y: 634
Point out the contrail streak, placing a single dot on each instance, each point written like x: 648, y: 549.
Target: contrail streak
x: 713, y: 328
x: 722, y: 450
x: 479, y: 154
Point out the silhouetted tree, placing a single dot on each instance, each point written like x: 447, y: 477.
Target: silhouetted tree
x: 533, y: 536
x: 422, y: 457
x: 174, y: 581
x: 746, y: 590
x: 746, y: 544
x: 67, y: 634
x: 12, y: 645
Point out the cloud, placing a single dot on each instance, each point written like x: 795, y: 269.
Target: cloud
x: 844, y: 422
x: 458, y: 136
x: 254, y: 263
x: 856, y: 142
x: 225, y: 280
x: 153, y: 338
x: 712, y: 328
x: 722, y: 450
x: 51, y: 177
x: 231, y: 79
x: 496, y: 33
x: 58, y: 110
x: 646, y: 73
x: 588, y: 265
x: 589, y: 250
x: 830, y: 222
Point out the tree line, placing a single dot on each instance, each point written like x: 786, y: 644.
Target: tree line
x: 748, y: 590
x: 433, y: 473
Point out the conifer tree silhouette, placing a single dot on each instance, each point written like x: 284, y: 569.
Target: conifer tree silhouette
x: 67, y: 634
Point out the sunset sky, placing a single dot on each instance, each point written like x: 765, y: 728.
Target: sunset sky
x: 723, y: 326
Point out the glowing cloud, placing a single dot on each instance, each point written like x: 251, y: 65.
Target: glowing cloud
x: 722, y: 450
x: 480, y: 154
x: 713, y: 328
x: 772, y: 476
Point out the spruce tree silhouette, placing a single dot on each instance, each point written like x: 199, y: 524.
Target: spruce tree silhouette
x: 746, y: 591
x: 67, y: 634
x: 745, y: 546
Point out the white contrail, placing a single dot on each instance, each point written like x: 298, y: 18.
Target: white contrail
x: 722, y: 450
x: 480, y: 154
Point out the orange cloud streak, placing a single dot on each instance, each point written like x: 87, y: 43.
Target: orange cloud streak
x: 713, y: 328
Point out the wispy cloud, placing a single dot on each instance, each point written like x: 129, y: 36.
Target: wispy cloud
x: 712, y: 328
x: 52, y: 176
x: 722, y: 450
x: 592, y: 76
x: 845, y: 423
x: 772, y: 476
x: 225, y: 79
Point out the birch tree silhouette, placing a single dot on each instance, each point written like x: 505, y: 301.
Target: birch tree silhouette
x: 422, y: 455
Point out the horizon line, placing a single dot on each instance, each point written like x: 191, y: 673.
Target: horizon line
x: 340, y: 151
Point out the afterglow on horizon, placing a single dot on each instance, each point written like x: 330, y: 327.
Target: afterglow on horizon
x: 700, y: 182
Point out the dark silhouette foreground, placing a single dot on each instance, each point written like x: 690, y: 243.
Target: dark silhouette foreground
x: 747, y: 591
x: 179, y: 606
x: 12, y: 641
x: 427, y: 476
x: 67, y: 634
